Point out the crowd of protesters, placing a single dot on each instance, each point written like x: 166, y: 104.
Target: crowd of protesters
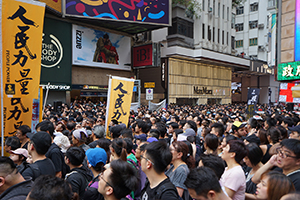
x: 179, y: 152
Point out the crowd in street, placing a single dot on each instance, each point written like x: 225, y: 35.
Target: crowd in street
x: 179, y: 152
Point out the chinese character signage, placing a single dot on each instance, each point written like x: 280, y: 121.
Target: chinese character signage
x: 22, y: 26
x: 118, y: 100
x: 138, y: 11
x: 57, y: 54
x: 288, y: 71
x: 96, y: 48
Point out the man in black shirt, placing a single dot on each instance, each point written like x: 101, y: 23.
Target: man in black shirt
x: 12, y: 184
x: 154, y: 162
x: 37, y: 148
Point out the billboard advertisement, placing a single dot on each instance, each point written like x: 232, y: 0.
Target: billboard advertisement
x: 288, y: 71
x: 95, y: 48
x: 142, y: 11
x: 56, y: 53
x: 54, y: 4
x: 286, y: 93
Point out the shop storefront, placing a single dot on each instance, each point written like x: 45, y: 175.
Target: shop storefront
x: 192, y: 82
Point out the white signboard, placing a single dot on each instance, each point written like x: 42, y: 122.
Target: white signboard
x: 96, y: 48
x: 149, y: 94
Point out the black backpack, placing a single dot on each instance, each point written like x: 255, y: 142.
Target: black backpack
x: 163, y: 188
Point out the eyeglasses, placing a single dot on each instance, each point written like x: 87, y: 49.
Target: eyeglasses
x: 283, y: 154
x: 101, y: 176
x: 147, y: 159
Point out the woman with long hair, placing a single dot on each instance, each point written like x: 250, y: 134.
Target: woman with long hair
x: 181, y: 164
x: 273, y: 186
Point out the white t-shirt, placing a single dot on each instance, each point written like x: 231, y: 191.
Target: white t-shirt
x: 235, y: 180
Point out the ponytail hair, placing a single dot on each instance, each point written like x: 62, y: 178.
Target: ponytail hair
x: 187, y: 156
x: 119, y: 145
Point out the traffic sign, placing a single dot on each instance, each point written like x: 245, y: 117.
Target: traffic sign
x: 149, y: 94
x: 149, y: 85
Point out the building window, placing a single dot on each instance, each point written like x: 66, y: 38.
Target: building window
x: 253, y: 42
x: 227, y: 13
x: 223, y: 14
x: 203, y: 5
x: 223, y: 40
x: 232, y: 20
x: 239, y: 43
x: 271, y: 3
x: 203, y: 31
x: 208, y: 33
x: 182, y: 27
x: 239, y: 27
x: 240, y: 10
x: 208, y: 6
x: 253, y: 24
x: 227, y: 38
x: 254, y: 7
x: 232, y: 42
x: 219, y: 36
x: 213, y: 34
x: 214, y: 5
x: 219, y: 7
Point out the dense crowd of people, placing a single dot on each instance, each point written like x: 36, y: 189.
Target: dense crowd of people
x: 179, y: 152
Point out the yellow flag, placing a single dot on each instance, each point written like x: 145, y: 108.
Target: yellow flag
x: 118, y: 101
x: 22, y: 26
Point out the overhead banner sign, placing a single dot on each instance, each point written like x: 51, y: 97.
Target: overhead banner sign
x: 22, y: 26
x: 57, y: 54
x: 289, y: 93
x: 145, y: 11
x: 96, y: 48
x: 118, y: 100
x: 288, y: 71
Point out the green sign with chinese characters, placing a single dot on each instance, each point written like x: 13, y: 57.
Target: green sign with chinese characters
x: 288, y: 71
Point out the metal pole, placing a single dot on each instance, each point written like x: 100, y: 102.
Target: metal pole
x: 2, y: 93
x: 45, y: 100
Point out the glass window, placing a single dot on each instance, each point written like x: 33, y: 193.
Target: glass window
x: 253, y: 42
x: 239, y: 43
x: 227, y: 13
x: 240, y: 10
x: 239, y: 27
x: 253, y: 24
x: 208, y: 33
x: 271, y: 3
x: 254, y: 7
x: 219, y: 5
x: 223, y: 14
x: 214, y: 6
x: 219, y: 36
x: 182, y: 27
x: 213, y: 34
x: 232, y: 20
x: 203, y: 31
x: 203, y: 5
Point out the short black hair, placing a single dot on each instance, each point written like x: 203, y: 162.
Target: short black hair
x: 71, y: 125
x: 255, y: 153
x: 127, y: 133
x: 292, y: 145
x: 192, y: 124
x: 123, y: 178
x: 46, y: 126
x: 216, y: 163
x: 159, y: 153
x: 6, y: 165
x: 162, y: 128
x: 76, y: 155
x: 50, y: 187
x: 239, y: 148
x: 24, y: 129
x: 143, y: 125
x: 154, y: 133
x: 13, y: 142
x: 212, y: 141
x: 202, y: 180
x: 289, y: 121
x: 253, y: 122
x: 116, y: 131
x: 219, y: 127
x: 129, y: 145
x: 174, y: 125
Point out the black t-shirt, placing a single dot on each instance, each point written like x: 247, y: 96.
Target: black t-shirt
x: 56, y: 157
x: 169, y: 194
x: 46, y: 167
x: 295, y: 178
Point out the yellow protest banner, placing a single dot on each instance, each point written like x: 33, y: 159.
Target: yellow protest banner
x: 21, y: 32
x: 118, y: 100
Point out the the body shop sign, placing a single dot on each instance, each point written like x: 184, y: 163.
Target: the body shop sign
x: 56, y: 54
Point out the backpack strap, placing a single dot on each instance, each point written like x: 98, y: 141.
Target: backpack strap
x: 162, y: 189
x: 35, y: 169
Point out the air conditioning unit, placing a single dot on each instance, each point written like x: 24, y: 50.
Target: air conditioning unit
x: 261, y: 48
x: 210, y: 9
x: 261, y: 26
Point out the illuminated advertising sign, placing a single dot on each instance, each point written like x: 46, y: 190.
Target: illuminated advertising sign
x: 288, y: 71
x: 141, y: 11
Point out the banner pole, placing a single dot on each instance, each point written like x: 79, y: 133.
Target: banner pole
x: 45, y: 100
x: 1, y: 77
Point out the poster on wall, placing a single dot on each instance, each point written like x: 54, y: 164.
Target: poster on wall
x: 95, y: 48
